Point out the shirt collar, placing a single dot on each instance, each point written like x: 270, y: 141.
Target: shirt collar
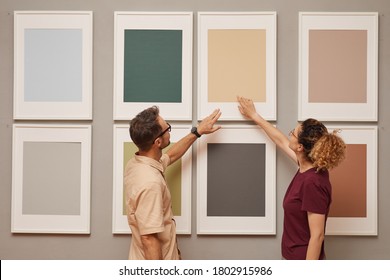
x: 149, y: 161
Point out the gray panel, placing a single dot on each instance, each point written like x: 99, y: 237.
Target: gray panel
x: 236, y: 180
x: 51, y: 178
x: 53, y: 65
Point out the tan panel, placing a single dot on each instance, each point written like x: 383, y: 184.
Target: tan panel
x: 338, y: 66
x: 236, y: 65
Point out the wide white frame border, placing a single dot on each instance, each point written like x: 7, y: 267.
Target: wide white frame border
x: 53, y: 20
x: 236, y: 20
x: 237, y: 225
x: 339, y: 111
x: 119, y: 221
x: 368, y: 225
x: 70, y: 224
x: 162, y: 21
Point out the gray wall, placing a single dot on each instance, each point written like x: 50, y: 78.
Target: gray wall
x: 101, y: 243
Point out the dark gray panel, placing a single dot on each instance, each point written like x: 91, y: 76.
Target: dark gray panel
x: 236, y: 180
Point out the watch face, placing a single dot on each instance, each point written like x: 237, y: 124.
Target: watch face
x: 195, y: 131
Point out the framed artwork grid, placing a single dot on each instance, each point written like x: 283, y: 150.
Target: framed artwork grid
x: 338, y: 66
x: 153, y: 63
x: 53, y: 65
x: 51, y: 179
x: 237, y: 57
x: 178, y: 176
x: 236, y: 182
x: 354, y: 209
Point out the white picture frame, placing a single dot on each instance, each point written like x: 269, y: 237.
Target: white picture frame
x: 238, y: 22
x: 237, y: 225
x: 368, y: 225
x: 53, y: 65
x: 149, y: 21
x: 31, y: 215
x: 319, y: 85
x: 120, y: 222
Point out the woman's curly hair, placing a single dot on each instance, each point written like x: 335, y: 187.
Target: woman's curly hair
x: 325, y: 150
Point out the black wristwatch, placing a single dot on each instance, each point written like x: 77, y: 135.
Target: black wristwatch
x: 194, y: 130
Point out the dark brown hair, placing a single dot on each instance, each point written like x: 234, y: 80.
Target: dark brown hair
x: 144, y: 128
x: 325, y: 150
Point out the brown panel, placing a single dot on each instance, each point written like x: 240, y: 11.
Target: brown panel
x: 349, y: 184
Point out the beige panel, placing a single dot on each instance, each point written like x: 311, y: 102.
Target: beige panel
x: 236, y: 65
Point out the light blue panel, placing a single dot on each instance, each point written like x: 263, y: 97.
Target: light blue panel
x: 53, y: 65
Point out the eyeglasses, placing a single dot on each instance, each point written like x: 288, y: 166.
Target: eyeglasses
x: 165, y: 131
x: 291, y: 133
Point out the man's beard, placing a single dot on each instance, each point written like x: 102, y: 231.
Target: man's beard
x: 169, y: 142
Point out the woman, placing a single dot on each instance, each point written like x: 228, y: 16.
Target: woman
x: 308, y: 197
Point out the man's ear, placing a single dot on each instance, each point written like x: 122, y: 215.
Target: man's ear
x: 158, y: 142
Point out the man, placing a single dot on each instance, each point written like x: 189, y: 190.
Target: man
x: 148, y: 200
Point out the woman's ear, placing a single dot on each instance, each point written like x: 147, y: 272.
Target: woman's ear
x: 300, y: 148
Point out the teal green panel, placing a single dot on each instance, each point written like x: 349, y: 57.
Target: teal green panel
x: 153, y: 66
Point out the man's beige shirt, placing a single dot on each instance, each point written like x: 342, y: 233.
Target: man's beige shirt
x: 149, y: 206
